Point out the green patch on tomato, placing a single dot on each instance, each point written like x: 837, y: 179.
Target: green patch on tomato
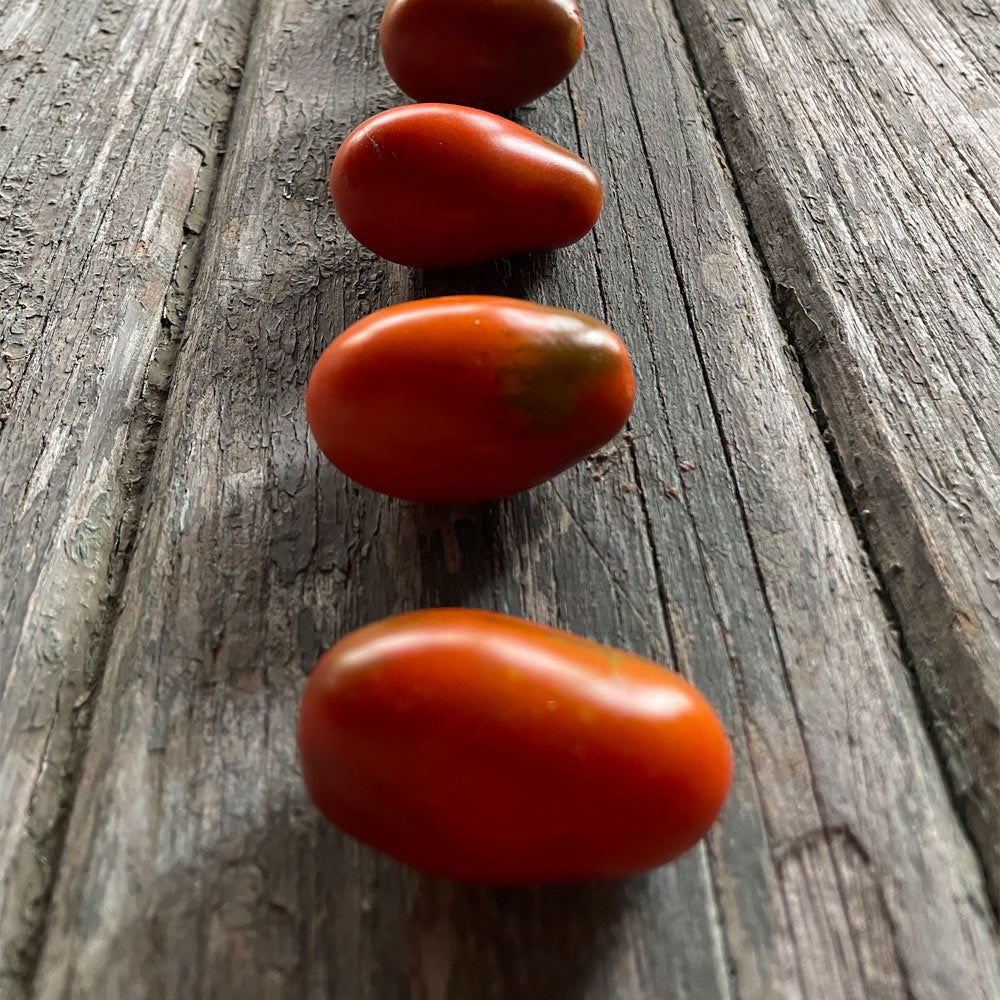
x: 545, y: 381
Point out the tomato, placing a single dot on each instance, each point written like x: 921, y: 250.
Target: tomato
x: 434, y: 185
x: 494, y: 54
x: 467, y: 397
x: 489, y: 749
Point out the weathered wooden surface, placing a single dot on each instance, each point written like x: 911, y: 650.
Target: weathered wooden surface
x: 110, y: 123
x: 865, y: 138
x: 713, y: 537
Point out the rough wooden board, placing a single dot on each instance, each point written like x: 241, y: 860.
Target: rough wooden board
x: 110, y: 124
x: 191, y: 837
x: 865, y: 138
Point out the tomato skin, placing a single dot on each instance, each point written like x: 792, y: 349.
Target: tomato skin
x: 435, y: 185
x: 489, y: 749
x: 492, y: 54
x: 467, y: 397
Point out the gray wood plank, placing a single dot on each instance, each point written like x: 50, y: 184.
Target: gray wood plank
x: 110, y: 127
x: 865, y: 138
x: 711, y: 537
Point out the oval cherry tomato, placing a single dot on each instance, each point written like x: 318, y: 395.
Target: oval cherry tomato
x: 489, y: 749
x: 467, y: 397
x: 480, y: 53
x: 434, y: 185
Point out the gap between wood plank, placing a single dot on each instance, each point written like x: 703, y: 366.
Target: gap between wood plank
x: 726, y: 450
x: 790, y: 313
x: 716, y: 416
x: 53, y: 799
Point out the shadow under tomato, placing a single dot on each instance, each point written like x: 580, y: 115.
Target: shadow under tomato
x: 533, y: 943
x: 297, y: 909
x: 463, y: 551
x: 499, y: 556
x: 520, y: 277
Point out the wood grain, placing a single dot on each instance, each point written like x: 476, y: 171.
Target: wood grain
x: 112, y: 120
x: 712, y: 536
x: 865, y: 139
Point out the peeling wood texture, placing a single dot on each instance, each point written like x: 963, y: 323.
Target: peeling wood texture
x: 865, y: 139
x: 713, y: 536
x: 111, y: 120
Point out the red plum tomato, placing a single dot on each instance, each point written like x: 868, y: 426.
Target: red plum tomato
x: 467, y: 398
x: 489, y: 749
x: 439, y: 186
x: 492, y: 54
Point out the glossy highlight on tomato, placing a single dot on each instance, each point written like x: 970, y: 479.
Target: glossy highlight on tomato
x: 489, y: 749
x: 467, y: 397
x: 492, y: 54
x: 436, y: 185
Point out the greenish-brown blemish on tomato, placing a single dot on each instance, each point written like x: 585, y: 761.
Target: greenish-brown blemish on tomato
x: 544, y: 381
